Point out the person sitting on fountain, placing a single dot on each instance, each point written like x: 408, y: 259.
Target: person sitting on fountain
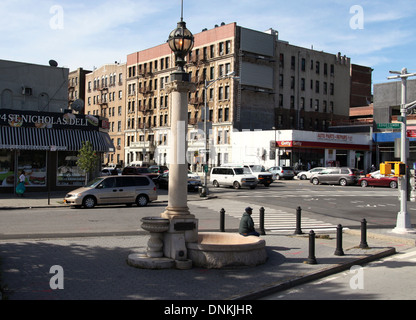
x: 247, y: 224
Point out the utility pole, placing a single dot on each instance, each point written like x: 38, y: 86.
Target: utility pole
x: 403, y: 224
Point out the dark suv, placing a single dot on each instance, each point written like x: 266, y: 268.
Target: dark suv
x: 129, y: 171
x: 342, y: 176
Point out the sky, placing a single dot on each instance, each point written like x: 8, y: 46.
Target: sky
x: 377, y: 33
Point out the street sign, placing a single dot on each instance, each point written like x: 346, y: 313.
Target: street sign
x: 411, y: 133
x: 388, y: 125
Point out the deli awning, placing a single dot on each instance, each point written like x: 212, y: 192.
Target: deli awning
x: 28, y: 138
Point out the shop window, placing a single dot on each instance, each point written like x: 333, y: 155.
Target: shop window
x: 68, y: 173
x: 34, y: 165
x: 6, y: 168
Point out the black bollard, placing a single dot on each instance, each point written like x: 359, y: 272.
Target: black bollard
x: 363, y: 243
x: 222, y: 220
x: 339, y: 251
x: 298, y: 229
x: 262, y: 231
x: 311, y: 258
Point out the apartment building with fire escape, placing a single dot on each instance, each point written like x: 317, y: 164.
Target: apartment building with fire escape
x: 280, y: 87
x: 105, y: 96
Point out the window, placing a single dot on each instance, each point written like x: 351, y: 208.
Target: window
x: 226, y: 114
x: 281, y: 60
x: 293, y: 62
x: 228, y: 47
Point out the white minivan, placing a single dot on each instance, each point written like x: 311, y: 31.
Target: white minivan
x: 232, y: 176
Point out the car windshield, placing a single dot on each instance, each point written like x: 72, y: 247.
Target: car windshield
x: 143, y: 170
x: 245, y: 170
x: 94, y: 183
x: 241, y: 170
x: 257, y: 168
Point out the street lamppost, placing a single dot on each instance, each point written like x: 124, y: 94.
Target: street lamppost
x: 207, y: 84
x: 183, y: 227
x: 403, y: 224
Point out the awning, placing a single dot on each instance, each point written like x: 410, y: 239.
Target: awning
x: 19, y: 138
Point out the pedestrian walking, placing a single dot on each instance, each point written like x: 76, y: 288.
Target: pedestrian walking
x: 20, y: 189
x: 247, y: 224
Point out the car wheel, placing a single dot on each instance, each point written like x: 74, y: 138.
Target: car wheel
x: 89, y: 202
x: 343, y: 182
x: 303, y: 177
x: 215, y: 183
x: 364, y: 183
x: 267, y: 184
x: 393, y: 184
x: 236, y: 185
x: 142, y: 200
x: 315, y: 181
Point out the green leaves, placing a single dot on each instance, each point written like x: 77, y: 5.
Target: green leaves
x: 87, y: 157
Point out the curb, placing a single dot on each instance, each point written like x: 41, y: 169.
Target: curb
x: 315, y: 275
x: 392, y: 238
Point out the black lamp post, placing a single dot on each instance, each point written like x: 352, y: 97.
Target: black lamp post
x: 181, y: 42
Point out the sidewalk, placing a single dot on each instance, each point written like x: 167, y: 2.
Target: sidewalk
x: 95, y: 267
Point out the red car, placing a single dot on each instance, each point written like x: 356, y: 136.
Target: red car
x: 378, y: 182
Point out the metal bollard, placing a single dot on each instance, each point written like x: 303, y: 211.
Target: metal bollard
x: 298, y: 229
x: 262, y: 231
x: 339, y: 251
x: 363, y: 243
x: 311, y: 257
x: 222, y: 220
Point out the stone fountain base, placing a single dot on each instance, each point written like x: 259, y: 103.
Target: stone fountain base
x: 221, y: 250
x: 208, y: 250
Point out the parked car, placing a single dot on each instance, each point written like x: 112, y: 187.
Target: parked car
x: 113, y: 190
x: 282, y: 172
x: 158, y: 169
x: 109, y: 172
x: 377, y: 174
x: 232, y: 176
x: 334, y: 175
x: 194, y: 181
x: 139, y: 171
x: 306, y: 175
x: 263, y: 177
x: 379, y: 181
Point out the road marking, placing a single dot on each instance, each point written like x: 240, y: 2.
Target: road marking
x: 275, y: 220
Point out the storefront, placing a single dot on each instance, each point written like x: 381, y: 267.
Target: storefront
x: 302, y: 149
x: 45, y: 146
x: 306, y: 149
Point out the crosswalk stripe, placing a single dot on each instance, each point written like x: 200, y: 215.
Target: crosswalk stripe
x: 274, y: 219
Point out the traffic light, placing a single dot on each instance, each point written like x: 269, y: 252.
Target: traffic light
x: 385, y: 168
x: 399, y: 169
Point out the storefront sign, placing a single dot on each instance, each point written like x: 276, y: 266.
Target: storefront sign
x: 334, y: 137
x: 14, y: 118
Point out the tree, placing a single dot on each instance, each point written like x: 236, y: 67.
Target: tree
x: 87, y: 159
